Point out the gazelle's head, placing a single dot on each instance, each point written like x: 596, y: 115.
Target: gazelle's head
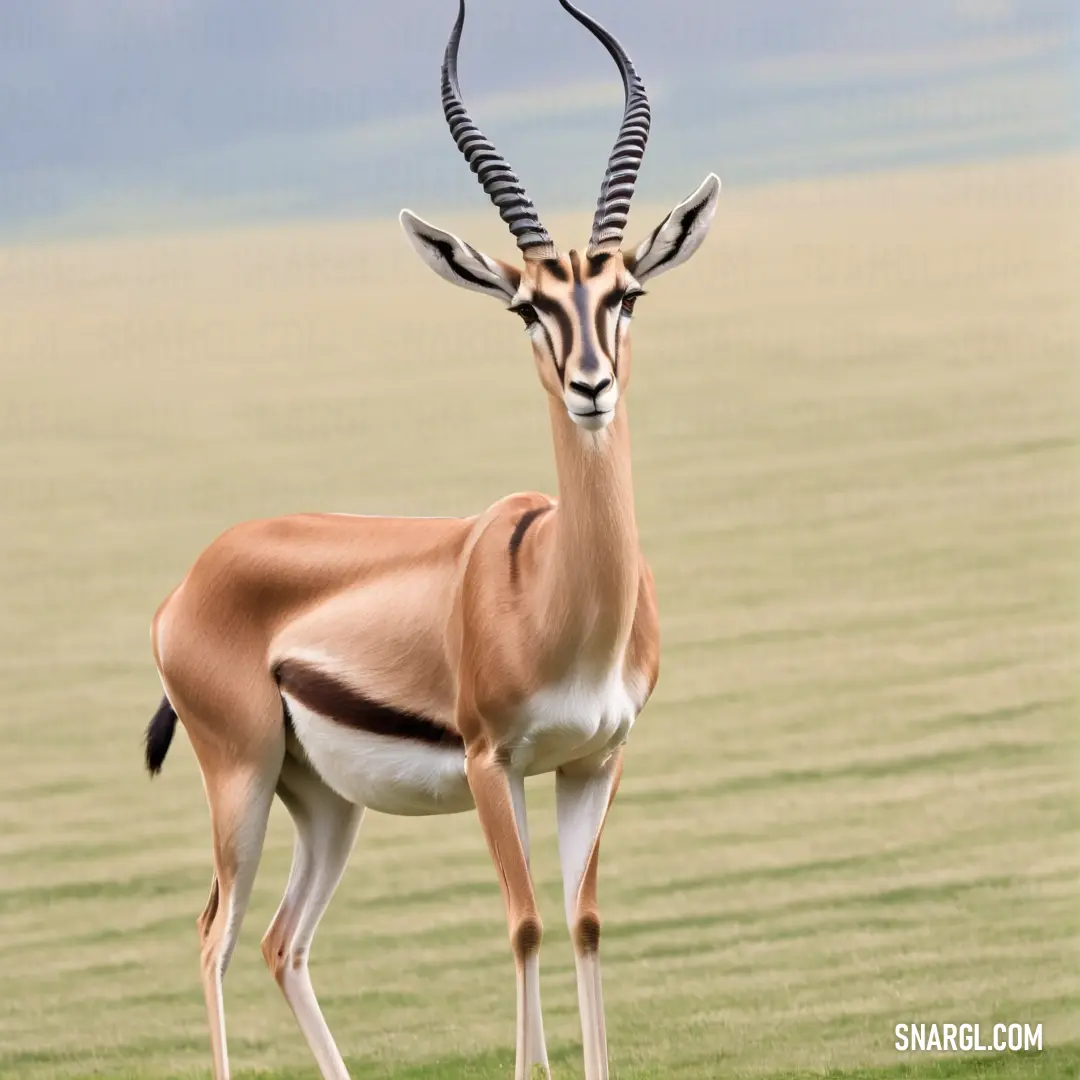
x: 576, y: 307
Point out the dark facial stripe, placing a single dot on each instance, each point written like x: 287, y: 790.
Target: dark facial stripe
x: 603, y: 311
x: 597, y: 262
x: 556, y: 269
x: 575, y: 266
x: 615, y: 358
x: 518, y: 535
x: 559, y: 368
x: 566, y: 330
x: 326, y: 695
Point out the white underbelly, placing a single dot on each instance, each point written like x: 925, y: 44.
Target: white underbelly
x: 388, y: 774
x: 576, y: 722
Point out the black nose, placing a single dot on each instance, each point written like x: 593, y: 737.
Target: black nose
x: 588, y: 391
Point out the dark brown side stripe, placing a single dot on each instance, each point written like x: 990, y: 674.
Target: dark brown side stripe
x: 328, y: 696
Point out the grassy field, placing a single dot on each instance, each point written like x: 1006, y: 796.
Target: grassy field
x: 853, y: 800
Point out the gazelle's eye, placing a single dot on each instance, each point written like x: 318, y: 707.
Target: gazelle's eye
x: 628, y: 302
x: 527, y: 313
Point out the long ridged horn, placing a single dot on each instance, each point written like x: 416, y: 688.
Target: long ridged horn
x: 492, y: 170
x: 617, y: 189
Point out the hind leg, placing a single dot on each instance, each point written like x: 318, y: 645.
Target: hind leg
x: 240, y: 800
x: 326, y: 828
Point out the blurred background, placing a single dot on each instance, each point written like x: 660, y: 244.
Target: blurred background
x: 851, y: 803
x: 128, y: 114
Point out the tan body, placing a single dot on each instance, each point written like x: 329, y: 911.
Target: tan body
x: 433, y: 617
x: 428, y: 665
x: 536, y: 659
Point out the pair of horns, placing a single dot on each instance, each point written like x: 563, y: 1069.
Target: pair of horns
x: 500, y: 181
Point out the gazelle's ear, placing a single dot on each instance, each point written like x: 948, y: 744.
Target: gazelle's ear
x: 679, y: 235
x: 460, y: 263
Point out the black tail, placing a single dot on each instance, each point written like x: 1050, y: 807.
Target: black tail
x: 159, y: 733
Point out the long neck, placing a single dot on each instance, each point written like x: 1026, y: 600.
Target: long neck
x: 592, y: 559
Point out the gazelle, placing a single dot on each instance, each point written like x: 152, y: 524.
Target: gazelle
x: 427, y: 666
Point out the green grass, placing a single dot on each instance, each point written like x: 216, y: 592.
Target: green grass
x: 852, y: 801
x: 1061, y: 1063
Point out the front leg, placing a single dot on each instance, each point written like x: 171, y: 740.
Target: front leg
x: 500, y: 803
x: 582, y: 800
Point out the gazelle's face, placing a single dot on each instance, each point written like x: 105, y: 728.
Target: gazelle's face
x: 576, y: 311
x: 576, y: 308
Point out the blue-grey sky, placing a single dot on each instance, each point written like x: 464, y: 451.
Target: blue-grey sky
x: 158, y: 113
